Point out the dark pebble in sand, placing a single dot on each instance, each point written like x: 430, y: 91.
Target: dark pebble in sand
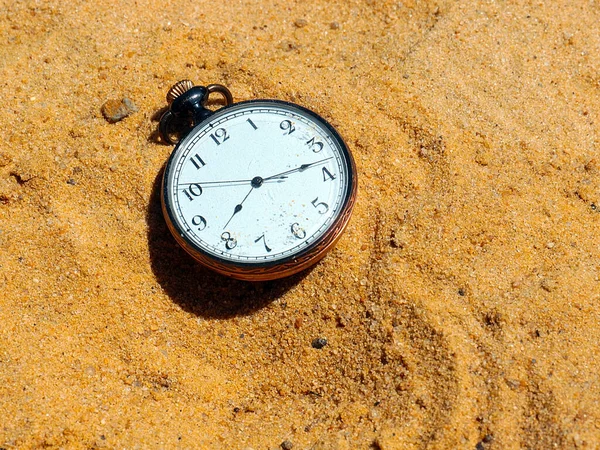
x: 319, y: 343
x: 287, y: 445
x: 481, y: 445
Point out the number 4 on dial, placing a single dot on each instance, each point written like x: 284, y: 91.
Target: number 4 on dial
x: 327, y: 175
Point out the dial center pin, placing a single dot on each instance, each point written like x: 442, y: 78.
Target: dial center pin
x: 257, y: 182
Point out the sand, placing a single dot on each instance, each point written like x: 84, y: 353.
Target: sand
x: 460, y: 307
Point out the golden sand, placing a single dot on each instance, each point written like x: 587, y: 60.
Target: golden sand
x: 460, y: 307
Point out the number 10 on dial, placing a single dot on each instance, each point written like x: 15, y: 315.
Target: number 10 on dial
x: 257, y: 190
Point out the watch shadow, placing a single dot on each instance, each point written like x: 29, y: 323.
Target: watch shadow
x: 196, y: 289
x: 154, y: 136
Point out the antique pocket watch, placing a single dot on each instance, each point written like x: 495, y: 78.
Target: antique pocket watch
x: 256, y: 190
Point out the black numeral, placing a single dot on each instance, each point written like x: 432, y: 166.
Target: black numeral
x: 220, y: 136
x: 315, y: 146
x: 200, y: 222
x: 322, y: 207
x: 327, y: 175
x: 252, y: 123
x: 287, y: 126
x: 197, y: 161
x: 230, y: 242
x: 194, y: 190
x: 298, y: 231
x: 264, y: 242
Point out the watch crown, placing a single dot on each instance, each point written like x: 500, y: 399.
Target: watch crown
x: 177, y: 89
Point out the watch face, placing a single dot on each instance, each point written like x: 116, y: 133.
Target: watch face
x: 257, y: 184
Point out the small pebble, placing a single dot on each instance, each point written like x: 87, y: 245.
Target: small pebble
x: 334, y: 26
x: 287, y: 46
x: 71, y: 181
x: 548, y: 285
x: 116, y: 110
x: 341, y: 321
x: 287, y: 445
x: 301, y: 23
x: 319, y: 343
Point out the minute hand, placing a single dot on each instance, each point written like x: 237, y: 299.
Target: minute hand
x: 301, y: 168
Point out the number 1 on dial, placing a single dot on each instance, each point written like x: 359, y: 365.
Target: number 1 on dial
x: 251, y: 123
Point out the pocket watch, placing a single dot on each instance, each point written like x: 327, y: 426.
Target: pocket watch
x: 255, y: 190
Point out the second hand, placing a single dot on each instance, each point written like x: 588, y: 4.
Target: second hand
x: 231, y: 182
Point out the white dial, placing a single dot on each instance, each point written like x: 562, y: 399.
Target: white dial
x: 257, y: 183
